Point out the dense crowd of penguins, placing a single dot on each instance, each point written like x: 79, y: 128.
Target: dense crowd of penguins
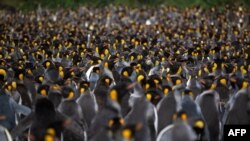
x: 124, y: 74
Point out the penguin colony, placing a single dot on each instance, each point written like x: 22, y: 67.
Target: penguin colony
x: 124, y: 74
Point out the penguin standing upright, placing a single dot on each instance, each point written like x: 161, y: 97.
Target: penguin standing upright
x: 180, y: 125
x: 237, y: 109
x: 208, y: 101
x: 165, y: 115
x: 87, y: 102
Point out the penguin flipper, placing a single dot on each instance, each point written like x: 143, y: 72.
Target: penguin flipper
x: 73, y: 131
x: 23, y: 125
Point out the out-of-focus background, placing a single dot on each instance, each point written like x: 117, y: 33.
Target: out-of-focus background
x: 33, y: 4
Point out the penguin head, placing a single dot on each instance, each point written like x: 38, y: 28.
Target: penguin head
x: 153, y: 95
x: 222, y: 81
x: 39, y: 79
x: 105, y: 80
x: 68, y: 93
x: 47, y: 64
x: 83, y: 86
x: 20, y: 74
x: 3, y: 75
x: 199, y: 126
x: 208, y: 82
x: 180, y: 116
x: 241, y: 83
x: 187, y: 92
x: 166, y: 89
x: 126, y: 72
x: 116, y: 123
x: 44, y: 109
x: 141, y: 78
x: 176, y: 80
x: 43, y: 90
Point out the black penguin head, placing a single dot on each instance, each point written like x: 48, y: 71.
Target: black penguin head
x: 208, y: 82
x: 68, y: 93
x: 105, y: 80
x: 116, y: 123
x: 47, y: 64
x: 166, y: 89
x: 127, y: 71
x: 176, y: 80
x: 39, y: 79
x: 240, y: 83
x: 43, y: 90
x: 199, y: 126
x: 180, y: 115
x: 222, y: 81
x: 187, y: 92
x: 153, y: 95
x: 3, y: 75
x: 44, y: 108
x: 83, y: 86
x: 141, y: 78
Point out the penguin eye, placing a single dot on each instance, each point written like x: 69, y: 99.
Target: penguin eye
x: 127, y: 133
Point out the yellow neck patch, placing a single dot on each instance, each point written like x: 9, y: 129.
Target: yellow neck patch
x: 140, y: 78
x: 127, y: 133
x: 165, y: 91
x: 125, y: 73
x: 245, y: 85
x: 212, y: 87
x: 113, y: 95
x: 178, y: 81
x: 2, y: 72
x: 71, y: 95
x: 199, y: 124
x: 43, y: 92
x: 20, y: 76
x: 149, y: 96
x: 223, y: 81
x: 82, y: 90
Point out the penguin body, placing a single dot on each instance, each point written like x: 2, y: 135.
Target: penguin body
x: 209, y: 104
